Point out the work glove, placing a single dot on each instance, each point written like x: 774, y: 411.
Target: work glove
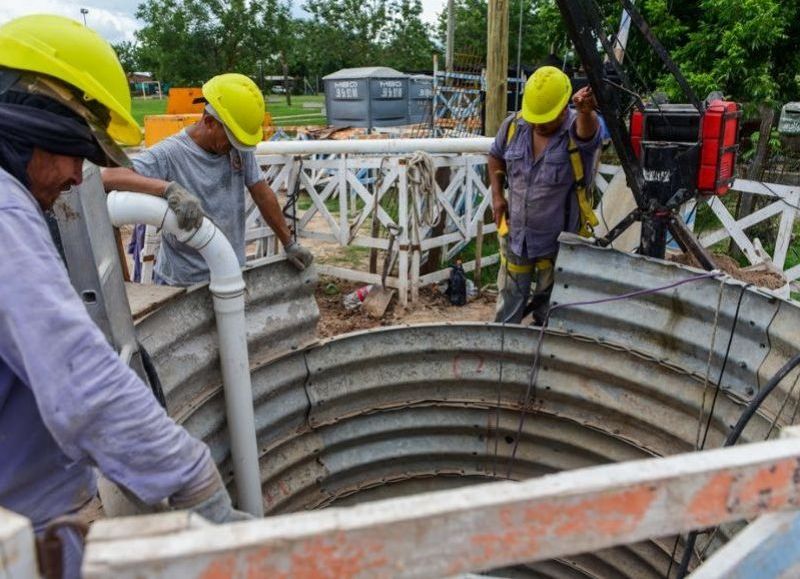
x: 186, y: 206
x: 219, y: 509
x: 298, y: 255
x: 208, y: 498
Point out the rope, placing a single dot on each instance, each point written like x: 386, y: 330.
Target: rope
x: 290, y: 209
x: 421, y: 177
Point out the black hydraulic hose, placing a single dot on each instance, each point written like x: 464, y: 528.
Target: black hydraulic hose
x: 733, y: 437
x: 152, y: 376
x: 756, y: 402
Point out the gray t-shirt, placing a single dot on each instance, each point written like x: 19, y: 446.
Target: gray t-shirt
x: 219, y: 182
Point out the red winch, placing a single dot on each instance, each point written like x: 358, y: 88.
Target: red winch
x: 704, y: 145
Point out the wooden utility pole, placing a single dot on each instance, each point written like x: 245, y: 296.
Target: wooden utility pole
x: 496, y: 65
x: 451, y: 32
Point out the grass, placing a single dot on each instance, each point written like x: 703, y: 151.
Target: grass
x: 142, y: 107
x: 282, y: 115
x: 490, y: 247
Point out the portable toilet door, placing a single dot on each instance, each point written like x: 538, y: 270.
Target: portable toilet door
x: 366, y: 97
x: 420, y: 99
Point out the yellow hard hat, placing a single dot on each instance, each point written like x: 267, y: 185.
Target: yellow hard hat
x: 238, y: 103
x: 65, y: 50
x: 546, y: 94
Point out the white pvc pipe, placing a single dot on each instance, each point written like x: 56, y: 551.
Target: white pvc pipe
x: 375, y: 146
x: 227, y: 288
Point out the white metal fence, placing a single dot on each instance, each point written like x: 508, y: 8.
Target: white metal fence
x: 785, y: 204
x: 359, y: 189
x: 357, y: 193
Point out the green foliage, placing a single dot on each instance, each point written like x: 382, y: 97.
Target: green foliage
x: 542, y: 29
x: 128, y: 55
x: 185, y: 42
x: 746, y: 49
x: 775, y: 145
x: 408, y: 45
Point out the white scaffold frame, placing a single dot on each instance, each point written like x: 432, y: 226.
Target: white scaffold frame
x: 335, y: 179
x: 334, y: 173
x: 786, y: 204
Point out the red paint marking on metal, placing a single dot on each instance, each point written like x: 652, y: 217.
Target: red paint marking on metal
x: 769, y: 488
x: 711, y: 499
x: 522, y: 533
x: 222, y: 568
x: 457, y: 363
x: 614, y: 513
x: 319, y: 558
x: 456, y: 372
x: 509, y: 540
x: 256, y: 567
x: 479, y: 368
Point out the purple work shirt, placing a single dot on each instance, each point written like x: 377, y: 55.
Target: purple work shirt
x: 542, y: 200
x: 67, y: 401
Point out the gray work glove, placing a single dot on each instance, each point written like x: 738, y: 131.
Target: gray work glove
x: 186, y: 206
x: 298, y: 255
x: 208, y: 497
x: 218, y: 509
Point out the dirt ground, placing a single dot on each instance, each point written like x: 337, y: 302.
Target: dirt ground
x: 758, y: 276
x: 433, y: 306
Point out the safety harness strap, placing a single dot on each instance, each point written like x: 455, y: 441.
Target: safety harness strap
x: 588, y: 220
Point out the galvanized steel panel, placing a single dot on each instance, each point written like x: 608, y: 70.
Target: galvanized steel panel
x: 675, y: 325
x: 383, y: 412
x: 181, y: 338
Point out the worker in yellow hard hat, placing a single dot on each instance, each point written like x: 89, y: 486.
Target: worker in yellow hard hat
x: 68, y: 403
x: 540, y: 153
x: 215, y: 160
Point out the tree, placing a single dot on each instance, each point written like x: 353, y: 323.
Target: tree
x: 408, y: 45
x: 349, y: 32
x: 749, y: 53
x: 128, y: 55
x: 543, y: 31
x: 189, y: 41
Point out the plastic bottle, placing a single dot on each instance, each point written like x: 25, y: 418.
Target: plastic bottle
x: 354, y: 299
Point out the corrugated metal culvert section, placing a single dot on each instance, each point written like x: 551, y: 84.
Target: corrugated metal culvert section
x: 181, y: 336
x: 677, y: 326
x: 400, y: 410
x: 408, y: 409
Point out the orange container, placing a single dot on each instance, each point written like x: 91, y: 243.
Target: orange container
x: 181, y: 101
x: 159, y: 127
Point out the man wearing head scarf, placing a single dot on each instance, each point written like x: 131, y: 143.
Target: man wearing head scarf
x: 215, y: 160
x: 68, y: 403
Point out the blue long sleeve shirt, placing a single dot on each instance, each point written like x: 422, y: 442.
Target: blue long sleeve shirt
x: 541, y: 191
x: 67, y: 401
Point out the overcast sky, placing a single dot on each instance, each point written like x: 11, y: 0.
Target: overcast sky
x: 115, y: 20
